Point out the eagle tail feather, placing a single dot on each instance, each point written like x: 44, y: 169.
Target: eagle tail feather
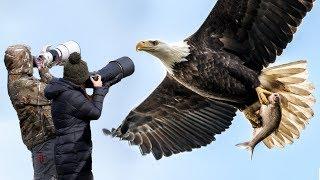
x: 291, y: 82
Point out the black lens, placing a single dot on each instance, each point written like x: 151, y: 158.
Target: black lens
x: 124, y: 66
x: 55, y: 54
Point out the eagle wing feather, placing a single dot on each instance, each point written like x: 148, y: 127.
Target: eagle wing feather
x: 255, y: 30
x: 174, y: 119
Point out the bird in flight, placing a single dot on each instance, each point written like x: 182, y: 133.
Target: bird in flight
x: 222, y: 68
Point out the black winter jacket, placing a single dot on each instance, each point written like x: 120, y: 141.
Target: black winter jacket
x: 72, y: 110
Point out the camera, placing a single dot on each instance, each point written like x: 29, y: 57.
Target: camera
x: 60, y: 54
x: 122, y: 67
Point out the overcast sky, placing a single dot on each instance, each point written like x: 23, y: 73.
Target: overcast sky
x: 110, y: 29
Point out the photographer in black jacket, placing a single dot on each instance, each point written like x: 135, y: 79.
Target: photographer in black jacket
x: 72, y: 111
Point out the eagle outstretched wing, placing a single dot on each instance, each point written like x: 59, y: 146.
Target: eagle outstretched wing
x: 173, y: 119
x: 255, y: 30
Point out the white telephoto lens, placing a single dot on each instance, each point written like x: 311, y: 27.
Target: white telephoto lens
x: 68, y: 48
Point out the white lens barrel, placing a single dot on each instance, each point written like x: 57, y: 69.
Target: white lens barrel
x: 48, y: 58
x: 64, y: 50
x: 60, y: 54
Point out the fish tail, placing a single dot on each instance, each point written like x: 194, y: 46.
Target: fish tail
x: 107, y: 132
x: 248, y: 147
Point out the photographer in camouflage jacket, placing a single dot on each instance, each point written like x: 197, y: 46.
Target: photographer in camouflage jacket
x: 33, y: 109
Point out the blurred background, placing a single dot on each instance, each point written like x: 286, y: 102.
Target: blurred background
x: 109, y: 29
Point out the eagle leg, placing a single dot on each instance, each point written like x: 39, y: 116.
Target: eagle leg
x: 262, y: 95
x: 252, y: 114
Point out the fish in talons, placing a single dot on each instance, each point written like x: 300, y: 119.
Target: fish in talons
x: 270, y: 117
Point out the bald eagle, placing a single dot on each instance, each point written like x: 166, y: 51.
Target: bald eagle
x: 218, y: 70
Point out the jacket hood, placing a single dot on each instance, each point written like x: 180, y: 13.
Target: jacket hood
x: 58, y: 86
x: 18, y: 60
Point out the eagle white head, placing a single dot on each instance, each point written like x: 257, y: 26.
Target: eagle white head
x: 168, y: 53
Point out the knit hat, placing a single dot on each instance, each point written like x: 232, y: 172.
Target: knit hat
x: 76, y: 70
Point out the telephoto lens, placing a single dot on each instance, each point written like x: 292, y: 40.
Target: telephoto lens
x: 58, y: 55
x: 123, y: 66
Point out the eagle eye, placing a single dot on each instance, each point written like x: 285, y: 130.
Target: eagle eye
x: 155, y: 43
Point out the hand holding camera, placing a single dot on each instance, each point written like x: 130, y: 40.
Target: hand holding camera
x: 96, y: 81
x: 39, y: 62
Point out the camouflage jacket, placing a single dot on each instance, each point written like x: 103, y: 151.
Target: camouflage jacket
x: 27, y: 96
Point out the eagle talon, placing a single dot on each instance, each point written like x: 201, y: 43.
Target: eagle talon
x: 252, y: 115
x: 262, y: 95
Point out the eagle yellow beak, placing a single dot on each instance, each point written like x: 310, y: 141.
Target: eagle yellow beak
x: 140, y: 46
x: 144, y: 46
